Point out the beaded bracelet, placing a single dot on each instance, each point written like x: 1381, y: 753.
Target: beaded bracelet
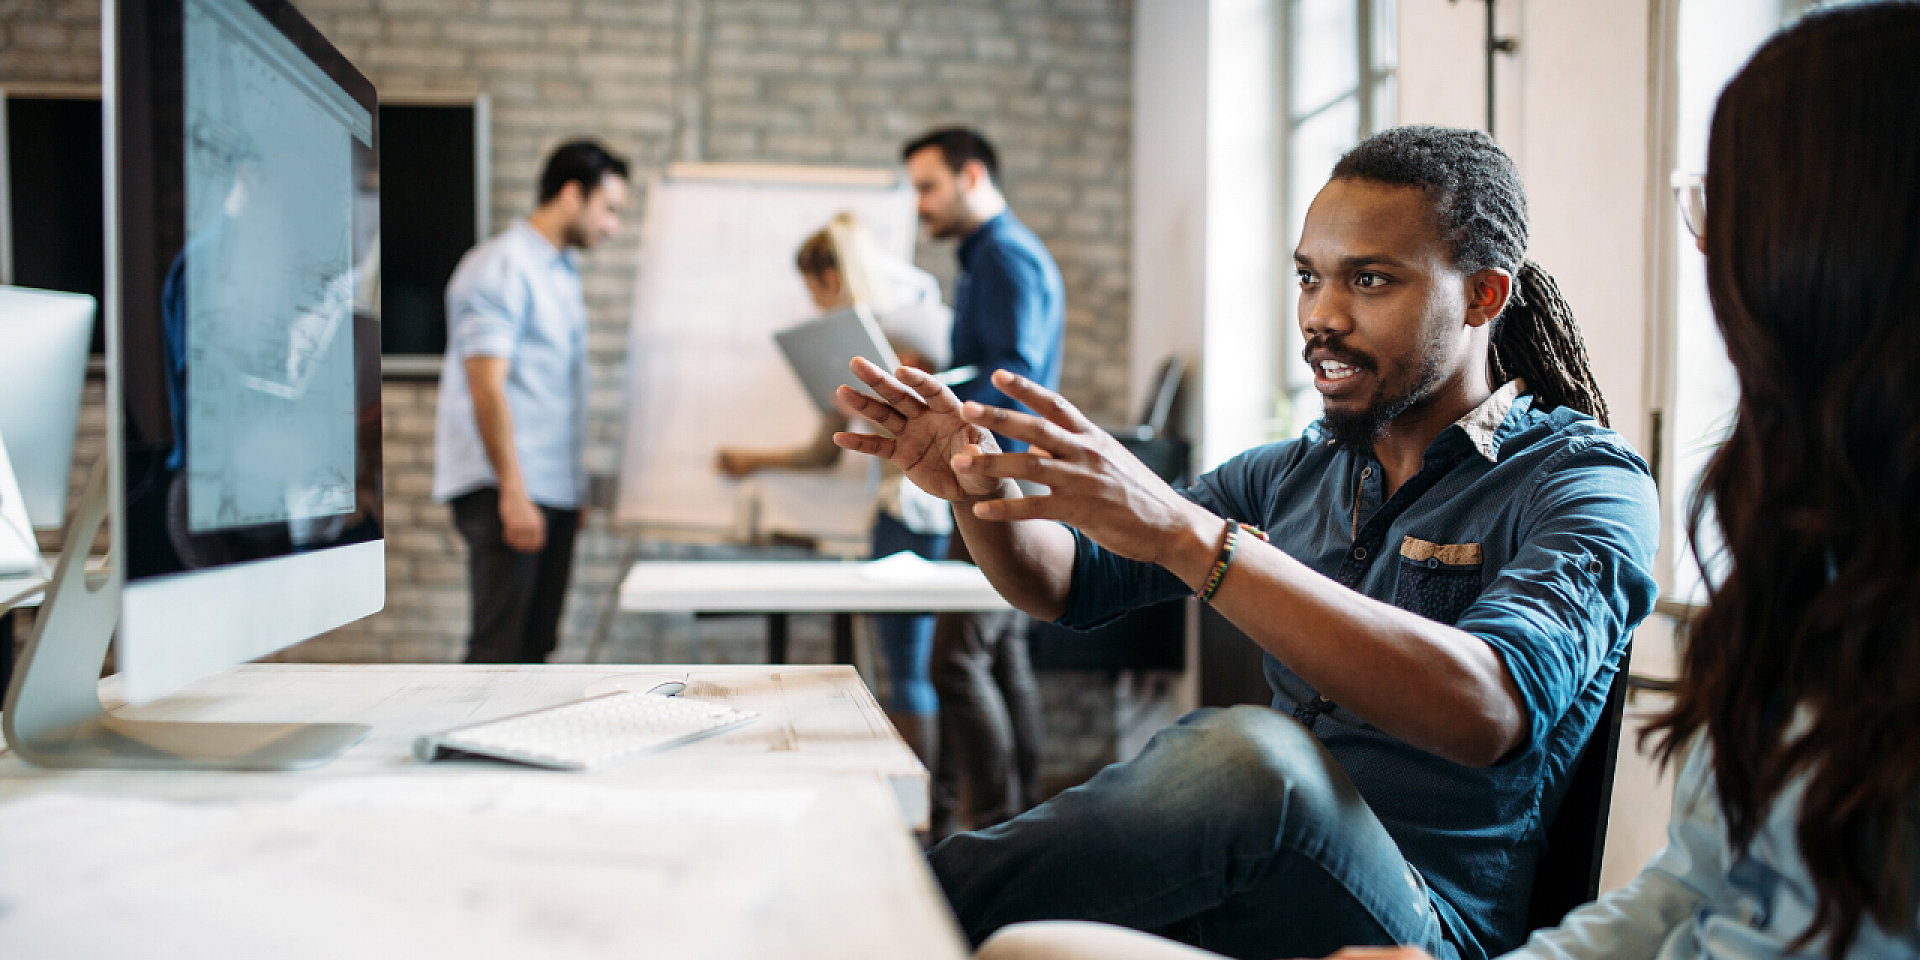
x: 1229, y: 538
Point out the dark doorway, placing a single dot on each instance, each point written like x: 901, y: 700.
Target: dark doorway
x: 55, y: 197
x: 426, y: 219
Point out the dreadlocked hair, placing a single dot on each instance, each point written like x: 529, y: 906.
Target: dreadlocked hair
x: 1482, y: 211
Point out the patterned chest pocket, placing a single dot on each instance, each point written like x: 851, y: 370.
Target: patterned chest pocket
x: 1437, y: 580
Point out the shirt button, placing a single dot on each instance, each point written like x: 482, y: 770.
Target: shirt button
x: 1433, y: 563
x: 1366, y: 474
x: 1359, y: 553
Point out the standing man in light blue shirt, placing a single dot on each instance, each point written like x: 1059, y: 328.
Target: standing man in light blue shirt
x: 512, y: 424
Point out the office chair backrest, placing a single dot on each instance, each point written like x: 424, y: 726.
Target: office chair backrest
x: 1158, y: 408
x: 1569, y: 873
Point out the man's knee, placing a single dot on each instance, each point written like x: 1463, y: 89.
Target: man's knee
x: 1256, y: 758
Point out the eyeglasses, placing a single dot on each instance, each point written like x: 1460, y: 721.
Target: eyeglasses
x: 1690, y: 191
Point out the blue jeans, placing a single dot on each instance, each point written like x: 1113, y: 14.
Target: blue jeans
x: 907, y: 639
x: 1233, y: 830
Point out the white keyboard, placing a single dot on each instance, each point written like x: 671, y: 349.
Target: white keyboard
x: 584, y: 734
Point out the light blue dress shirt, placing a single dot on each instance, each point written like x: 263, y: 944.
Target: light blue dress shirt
x: 1700, y: 899
x: 518, y: 297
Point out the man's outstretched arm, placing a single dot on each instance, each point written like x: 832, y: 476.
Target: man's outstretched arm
x: 1439, y: 688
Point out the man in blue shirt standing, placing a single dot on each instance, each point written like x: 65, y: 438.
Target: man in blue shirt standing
x: 1008, y: 314
x: 511, y: 429
x: 1459, y: 550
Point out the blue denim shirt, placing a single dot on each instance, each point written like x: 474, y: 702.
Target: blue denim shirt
x: 1537, y: 535
x: 1009, y: 312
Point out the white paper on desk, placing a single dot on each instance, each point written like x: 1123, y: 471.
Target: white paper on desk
x: 909, y: 567
x: 451, y: 867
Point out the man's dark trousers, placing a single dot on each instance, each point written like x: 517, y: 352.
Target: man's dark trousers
x: 988, y: 767
x: 517, y: 597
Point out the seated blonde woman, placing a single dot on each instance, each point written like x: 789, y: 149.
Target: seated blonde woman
x: 842, y: 267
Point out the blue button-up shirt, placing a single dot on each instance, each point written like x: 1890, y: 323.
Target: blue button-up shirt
x: 518, y: 297
x: 1009, y: 312
x: 1537, y: 535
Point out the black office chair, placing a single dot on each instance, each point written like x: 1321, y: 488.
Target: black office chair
x: 1569, y: 872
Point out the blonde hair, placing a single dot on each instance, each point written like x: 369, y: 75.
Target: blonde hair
x: 844, y: 246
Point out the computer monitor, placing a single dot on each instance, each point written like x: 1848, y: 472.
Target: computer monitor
x: 243, y: 401
x: 44, y: 337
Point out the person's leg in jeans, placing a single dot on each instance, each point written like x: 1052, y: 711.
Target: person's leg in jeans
x: 906, y: 641
x: 1233, y: 830
x: 541, y: 633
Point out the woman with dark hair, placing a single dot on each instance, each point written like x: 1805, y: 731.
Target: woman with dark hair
x: 1797, y: 720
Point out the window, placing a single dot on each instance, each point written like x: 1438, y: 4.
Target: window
x: 1338, y: 88
x: 1714, y: 38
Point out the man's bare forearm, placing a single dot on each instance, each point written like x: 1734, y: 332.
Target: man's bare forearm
x: 1030, y: 561
x: 486, y: 384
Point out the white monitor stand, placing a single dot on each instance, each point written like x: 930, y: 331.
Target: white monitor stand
x: 53, y: 713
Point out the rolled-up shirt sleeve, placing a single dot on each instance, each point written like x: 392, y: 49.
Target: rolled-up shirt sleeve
x: 1580, y: 580
x: 484, y: 314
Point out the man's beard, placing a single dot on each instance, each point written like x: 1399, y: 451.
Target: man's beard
x: 945, y: 229
x: 1360, y: 430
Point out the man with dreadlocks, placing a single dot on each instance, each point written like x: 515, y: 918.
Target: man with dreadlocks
x: 1453, y: 559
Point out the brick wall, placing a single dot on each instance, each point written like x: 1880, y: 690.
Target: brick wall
x: 794, y: 81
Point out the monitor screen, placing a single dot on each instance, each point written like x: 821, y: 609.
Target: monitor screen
x: 249, y: 386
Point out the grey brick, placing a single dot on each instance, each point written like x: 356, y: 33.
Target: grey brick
x: 549, y: 11
x: 807, y: 81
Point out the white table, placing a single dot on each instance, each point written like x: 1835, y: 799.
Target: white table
x: 807, y: 810
x: 777, y: 588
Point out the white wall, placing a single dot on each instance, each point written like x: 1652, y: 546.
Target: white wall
x: 1169, y: 189
x: 1573, y: 111
x: 1206, y: 228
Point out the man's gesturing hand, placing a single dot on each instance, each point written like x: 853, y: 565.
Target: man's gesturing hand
x: 1093, y: 483
x: 928, y: 432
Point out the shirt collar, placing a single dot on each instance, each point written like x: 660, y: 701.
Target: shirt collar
x: 1482, y: 423
x: 974, y: 239
x: 542, y: 249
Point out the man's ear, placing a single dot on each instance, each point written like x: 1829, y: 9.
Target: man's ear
x: 572, y: 196
x: 1487, y: 294
x: 973, y: 174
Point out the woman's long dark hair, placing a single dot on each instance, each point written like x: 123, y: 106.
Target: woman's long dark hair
x: 1483, y: 214
x: 1813, y: 267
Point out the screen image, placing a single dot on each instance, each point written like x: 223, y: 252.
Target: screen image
x: 248, y: 354
x: 268, y: 310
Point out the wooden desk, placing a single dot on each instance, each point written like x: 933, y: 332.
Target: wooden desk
x: 844, y: 880
x: 777, y: 588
